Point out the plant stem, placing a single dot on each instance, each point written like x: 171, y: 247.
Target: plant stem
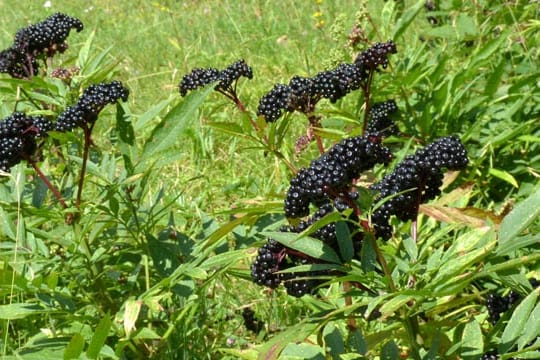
x: 49, y: 185
x: 87, y: 142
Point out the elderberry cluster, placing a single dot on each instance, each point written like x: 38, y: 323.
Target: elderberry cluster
x: 303, y: 93
x: 18, y: 134
x: 380, y: 119
x: 227, y: 77
x: 416, y: 179
x: 498, y: 304
x: 90, y: 104
x: 333, y: 172
x: 273, y: 257
x: 376, y: 56
x: 45, y: 38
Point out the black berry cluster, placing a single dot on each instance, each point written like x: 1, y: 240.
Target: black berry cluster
x: 380, y: 120
x: 274, y: 257
x: 376, y: 56
x: 45, y: 38
x: 332, y: 173
x: 227, y: 78
x: 268, y: 261
x: 251, y: 321
x: 18, y: 134
x: 90, y: 104
x: 418, y: 177
x: 498, y: 304
x: 303, y: 93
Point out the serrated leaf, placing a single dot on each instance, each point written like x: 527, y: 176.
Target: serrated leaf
x: 518, y: 322
x: 523, y: 214
x: 99, y: 337
x: 472, y: 344
x: 307, y: 245
x: 166, y: 133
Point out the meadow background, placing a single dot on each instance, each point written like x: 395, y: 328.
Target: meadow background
x: 157, y: 264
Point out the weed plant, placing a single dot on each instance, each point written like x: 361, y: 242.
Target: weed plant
x: 152, y: 182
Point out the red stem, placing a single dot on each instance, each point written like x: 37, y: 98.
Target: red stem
x: 51, y: 187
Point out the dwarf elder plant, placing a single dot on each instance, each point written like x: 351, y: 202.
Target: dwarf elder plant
x: 382, y: 205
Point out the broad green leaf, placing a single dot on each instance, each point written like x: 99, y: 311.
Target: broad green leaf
x: 472, y: 344
x: 390, y: 351
x: 167, y: 132
x: 519, y: 218
x: 519, y: 322
x: 20, y: 311
x: 505, y: 176
x: 100, y: 335
x: 75, y: 347
x: 307, y: 245
x: 333, y: 340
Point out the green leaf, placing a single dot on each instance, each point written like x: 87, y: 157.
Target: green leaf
x: 143, y: 119
x: 472, y: 344
x: 395, y: 303
x: 408, y: 16
x: 519, y: 321
x: 505, y: 176
x: 346, y: 249
x: 20, y: 311
x: 75, y: 347
x: 166, y: 133
x: 296, y: 333
x: 519, y: 218
x: 100, y: 335
x: 309, y: 246
x: 124, y: 126
x: 390, y: 351
x: 302, y: 351
x: 532, y: 331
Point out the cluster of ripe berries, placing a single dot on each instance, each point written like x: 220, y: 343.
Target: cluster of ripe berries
x: 227, y: 78
x: 18, y: 132
x: 45, y: 38
x: 416, y: 180
x: 90, y: 104
x: 380, y: 119
x: 303, y: 93
x: 497, y: 305
x: 18, y: 137
x: 328, y: 185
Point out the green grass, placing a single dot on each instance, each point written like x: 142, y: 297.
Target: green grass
x: 157, y: 264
